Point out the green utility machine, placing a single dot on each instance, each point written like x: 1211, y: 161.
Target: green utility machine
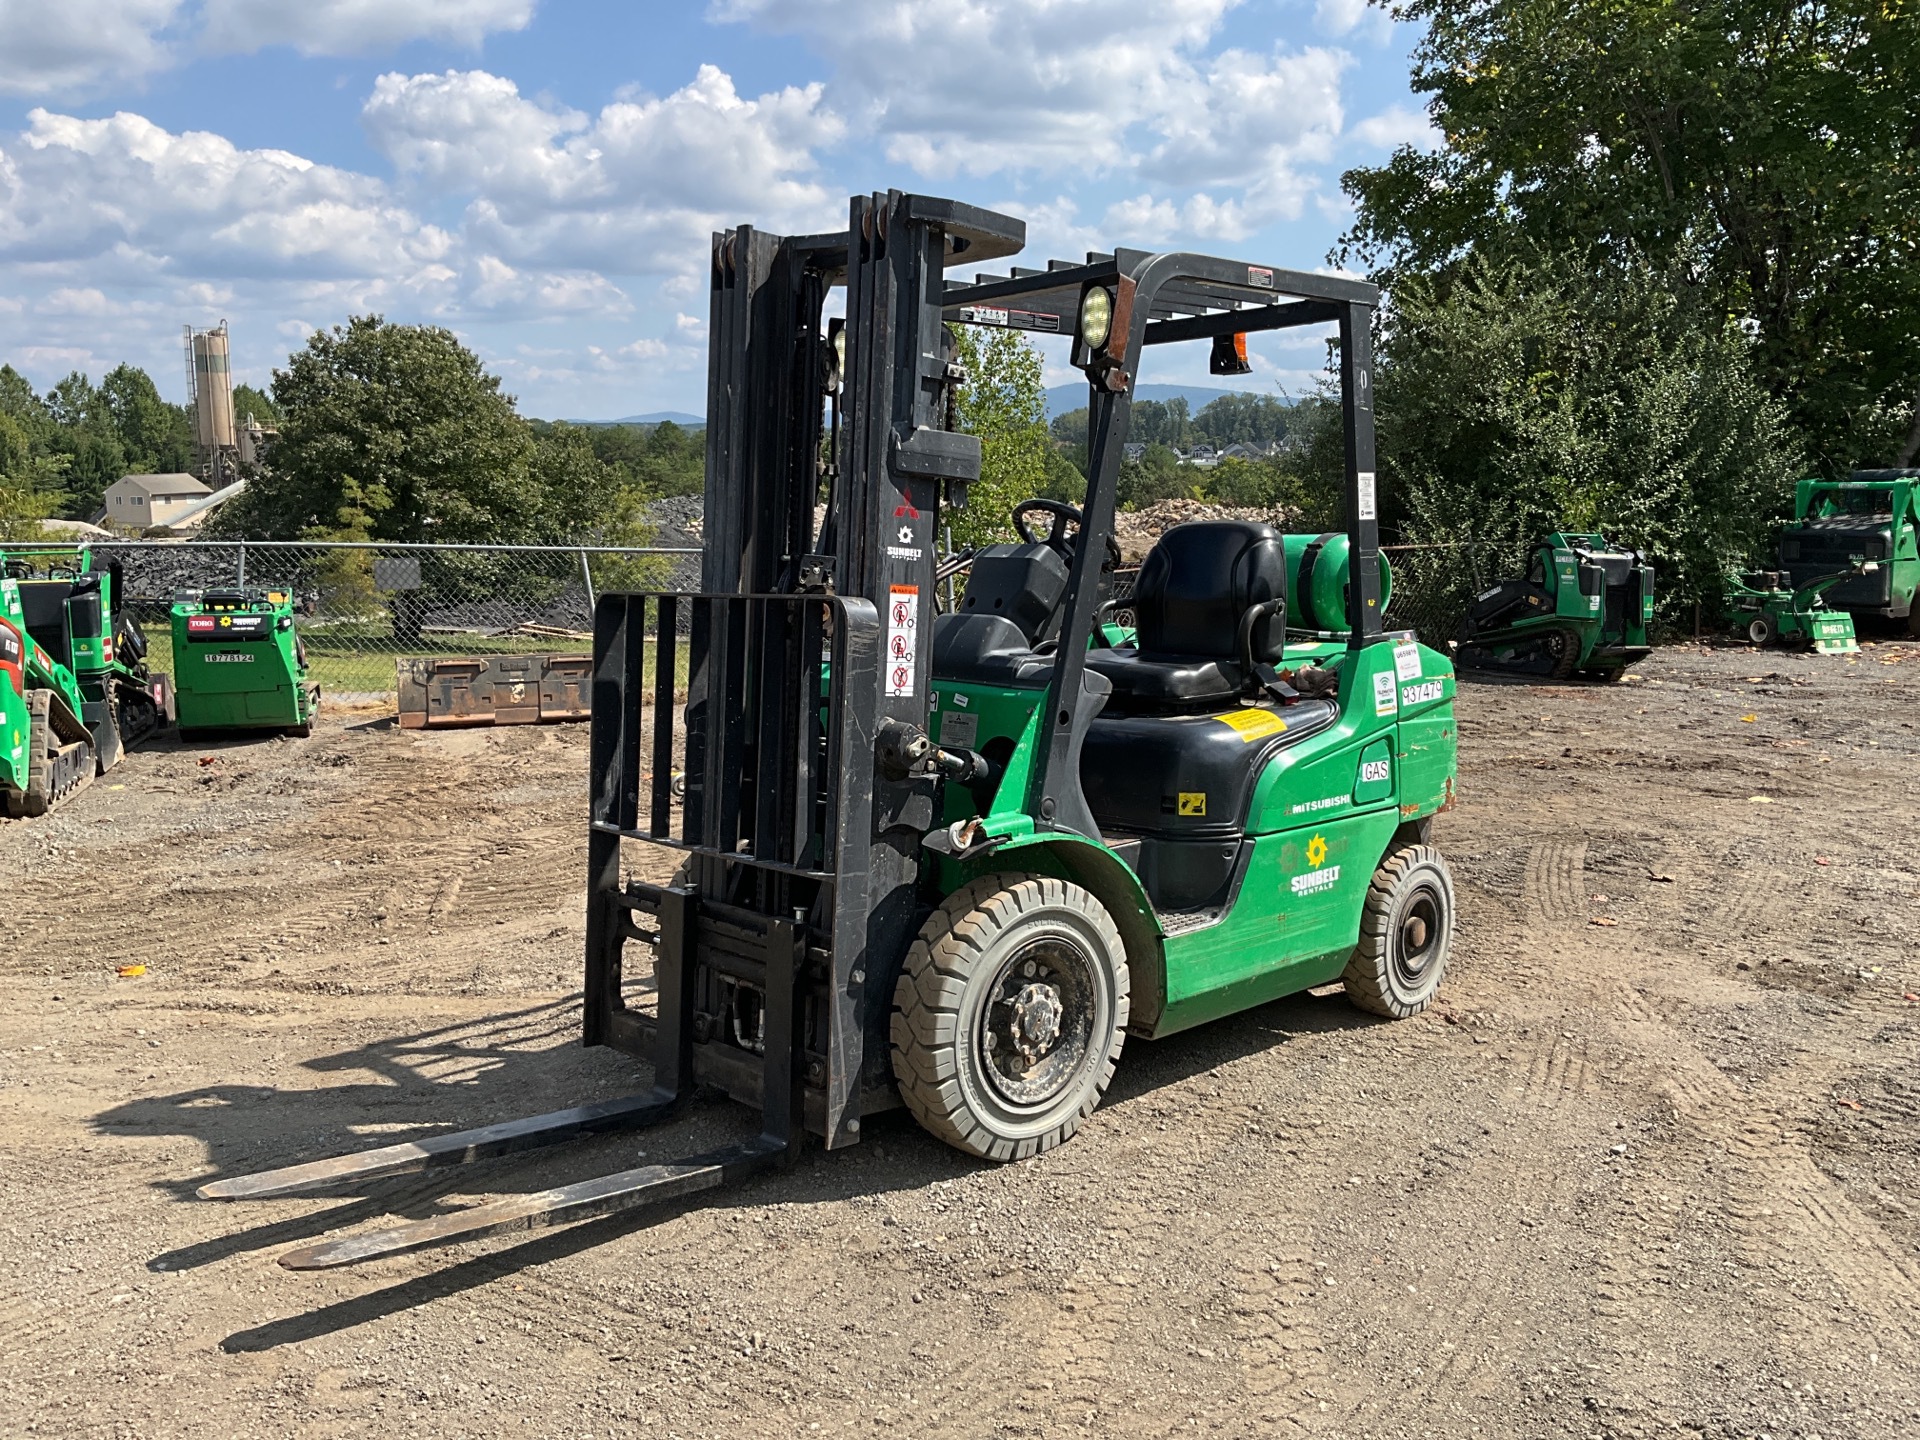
x: 1771, y: 609
x: 956, y: 861
x: 239, y: 663
x: 75, y: 687
x: 1873, y: 516
x: 1581, y: 609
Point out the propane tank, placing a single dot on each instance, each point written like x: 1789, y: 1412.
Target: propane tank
x: 1317, y: 581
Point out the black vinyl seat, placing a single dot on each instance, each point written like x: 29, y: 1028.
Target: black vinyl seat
x: 1010, y: 610
x: 1195, y: 587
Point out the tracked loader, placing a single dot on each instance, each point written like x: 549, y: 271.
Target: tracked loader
x: 240, y: 662
x: 1582, y: 608
x: 74, y: 680
x: 955, y: 862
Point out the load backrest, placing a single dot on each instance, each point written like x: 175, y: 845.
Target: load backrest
x: 1197, y: 583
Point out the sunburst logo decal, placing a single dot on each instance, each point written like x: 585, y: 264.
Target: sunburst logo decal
x: 1317, y: 851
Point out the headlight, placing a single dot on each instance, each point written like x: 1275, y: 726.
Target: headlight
x: 1096, y: 316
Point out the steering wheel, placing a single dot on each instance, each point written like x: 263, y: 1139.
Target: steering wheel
x: 1063, y: 514
x: 1057, y: 539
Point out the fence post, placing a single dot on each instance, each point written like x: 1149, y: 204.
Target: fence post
x: 586, y: 578
x: 241, y: 582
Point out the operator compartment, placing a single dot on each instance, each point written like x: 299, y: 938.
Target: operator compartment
x: 1174, y: 759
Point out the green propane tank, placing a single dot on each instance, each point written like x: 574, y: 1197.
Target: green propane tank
x: 1317, y: 582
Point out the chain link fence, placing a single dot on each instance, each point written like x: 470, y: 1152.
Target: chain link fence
x: 363, y: 606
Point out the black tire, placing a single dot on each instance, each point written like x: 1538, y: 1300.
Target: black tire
x: 1406, y: 932
x: 1563, y: 650
x: 1913, y: 617
x: 1009, y: 1015
x: 1761, y: 630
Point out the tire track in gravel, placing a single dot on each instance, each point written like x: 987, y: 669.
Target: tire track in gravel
x: 1786, y: 1212
x: 1555, y: 878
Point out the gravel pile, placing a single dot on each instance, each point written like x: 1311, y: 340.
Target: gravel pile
x: 1136, y: 530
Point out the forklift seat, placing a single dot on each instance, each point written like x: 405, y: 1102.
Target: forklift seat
x: 1197, y: 584
x: 1010, y: 611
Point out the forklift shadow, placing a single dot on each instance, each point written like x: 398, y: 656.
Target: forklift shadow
x: 450, y: 1078
x: 422, y: 1084
x: 1147, y: 1066
x: 898, y: 1157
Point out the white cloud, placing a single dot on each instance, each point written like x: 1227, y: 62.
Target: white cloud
x: 1228, y: 137
x: 1048, y: 85
x: 124, y: 197
x: 502, y: 292
x: 1396, y: 126
x: 1339, y: 17
x: 49, y: 47
x: 356, y: 27
x: 637, y: 187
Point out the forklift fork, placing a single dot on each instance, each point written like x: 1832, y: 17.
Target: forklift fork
x: 777, y: 1144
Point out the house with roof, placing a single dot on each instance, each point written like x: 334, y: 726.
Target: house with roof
x: 139, y: 502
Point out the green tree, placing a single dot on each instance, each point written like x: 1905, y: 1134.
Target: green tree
x: 248, y: 401
x: 29, y: 481
x: 155, y: 437
x: 393, y: 432
x: 1515, y: 399
x: 1243, y: 419
x: 1769, y: 153
x: 1004, y: 403
x: 18, y: 399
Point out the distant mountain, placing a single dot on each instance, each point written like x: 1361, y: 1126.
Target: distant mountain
x: 678, y: 417
x: 1062, y: 398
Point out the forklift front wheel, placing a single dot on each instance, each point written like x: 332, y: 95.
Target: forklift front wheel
x: 1009, y: 1015
x: 1760, y: 630
x: 1406, y: 930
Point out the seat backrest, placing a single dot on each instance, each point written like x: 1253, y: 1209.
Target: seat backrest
x: 1199, y: 580
x: 43, y: 605
x: 1022, y: 583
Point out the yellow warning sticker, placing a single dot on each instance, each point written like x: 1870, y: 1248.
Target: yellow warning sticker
x: 1252, y: 725
x: 1193, y: 802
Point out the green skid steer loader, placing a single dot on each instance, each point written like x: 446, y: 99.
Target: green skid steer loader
x: 957, y: 862
x: 240, y: 662
x: 82, y: 680
x: 1581, y: 609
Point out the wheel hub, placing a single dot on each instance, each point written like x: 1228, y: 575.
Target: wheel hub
x: 1036, y: 1020
x: 1038, y: 1023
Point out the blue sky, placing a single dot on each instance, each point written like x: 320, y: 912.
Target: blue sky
x: 541, y: 176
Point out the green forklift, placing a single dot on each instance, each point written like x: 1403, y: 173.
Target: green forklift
x: 1582, y: 608
x: 240, y: 663
x: 956, y: 862
x: 83, y: 680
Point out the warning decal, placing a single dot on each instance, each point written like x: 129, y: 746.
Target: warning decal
x: 903, y: 620
x: 1252, y: 725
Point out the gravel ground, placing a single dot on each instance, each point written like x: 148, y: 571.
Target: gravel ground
x: 1650, y: 1168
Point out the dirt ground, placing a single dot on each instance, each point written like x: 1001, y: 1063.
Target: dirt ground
x: 1651, y: 1168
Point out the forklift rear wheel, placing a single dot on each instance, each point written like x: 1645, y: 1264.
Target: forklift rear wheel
x: 1406, y: 930
x: 1009, y: 1015
x: 1760, y: 630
